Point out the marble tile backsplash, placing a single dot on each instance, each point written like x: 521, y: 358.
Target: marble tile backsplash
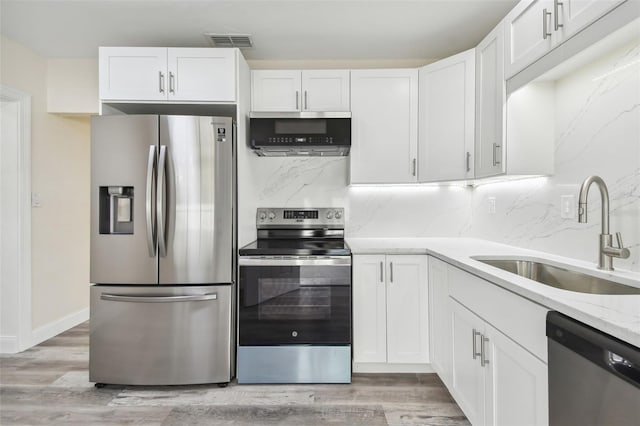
x: 597, y: 130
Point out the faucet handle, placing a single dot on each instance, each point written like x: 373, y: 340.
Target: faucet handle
x: 621, y: 251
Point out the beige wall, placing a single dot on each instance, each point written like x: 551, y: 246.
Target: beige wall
x: 60, y: 175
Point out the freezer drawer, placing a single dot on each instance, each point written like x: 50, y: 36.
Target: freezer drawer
x: 160, y: 336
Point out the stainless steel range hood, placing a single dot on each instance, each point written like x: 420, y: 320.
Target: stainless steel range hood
x: 300, y: 134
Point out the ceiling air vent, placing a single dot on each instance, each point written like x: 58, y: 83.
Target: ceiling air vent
x: 242, y: 41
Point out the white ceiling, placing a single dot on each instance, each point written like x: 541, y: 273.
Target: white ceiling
x: 281, y: 29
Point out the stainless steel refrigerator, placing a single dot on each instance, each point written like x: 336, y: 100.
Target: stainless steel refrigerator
x: 162, y: 249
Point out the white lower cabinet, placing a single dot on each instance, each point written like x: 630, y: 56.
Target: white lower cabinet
x: 468, y: 376
x: 493, y: 378
x: 516, y: 384
x: 390, y: 309
x: 440, y: 320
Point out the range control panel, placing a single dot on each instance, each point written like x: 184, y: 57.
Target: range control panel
x: 300, y: 217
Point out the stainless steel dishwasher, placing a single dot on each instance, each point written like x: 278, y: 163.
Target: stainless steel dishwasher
x: 594, y: 378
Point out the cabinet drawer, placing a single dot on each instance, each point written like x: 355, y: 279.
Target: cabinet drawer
x: 520, y: 319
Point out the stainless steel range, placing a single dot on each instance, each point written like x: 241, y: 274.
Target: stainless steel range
x: 295, y: 299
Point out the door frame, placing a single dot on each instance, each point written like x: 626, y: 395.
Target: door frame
x: 22, y: 245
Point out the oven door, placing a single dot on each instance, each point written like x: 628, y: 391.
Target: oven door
x: 295, y: 301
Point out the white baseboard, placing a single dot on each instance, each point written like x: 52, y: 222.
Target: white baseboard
x: 371, y: 367
x: 8, y: 345
x: 54, y: 328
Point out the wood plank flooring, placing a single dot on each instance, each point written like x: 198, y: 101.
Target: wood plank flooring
x: 49, y: 385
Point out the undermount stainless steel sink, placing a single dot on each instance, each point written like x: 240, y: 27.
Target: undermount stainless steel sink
x: 558, y: 277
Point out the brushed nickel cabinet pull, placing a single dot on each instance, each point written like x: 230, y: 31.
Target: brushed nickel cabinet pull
x: 475, y: 333
x: 545, y: 30
x: 161, y: 81
x: 483, y: 355
x: 556, y: 18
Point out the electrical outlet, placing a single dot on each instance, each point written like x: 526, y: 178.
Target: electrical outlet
x: 492, y: 205
x: 568, y: 206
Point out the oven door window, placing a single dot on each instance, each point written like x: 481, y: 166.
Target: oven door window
x: 295, y: 305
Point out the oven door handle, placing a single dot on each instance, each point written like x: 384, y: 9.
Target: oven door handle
x: 293, y: 261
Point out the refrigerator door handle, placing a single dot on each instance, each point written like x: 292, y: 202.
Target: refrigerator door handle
x: 150, y: 212
x: 159, y: 299
x: 160, y: 201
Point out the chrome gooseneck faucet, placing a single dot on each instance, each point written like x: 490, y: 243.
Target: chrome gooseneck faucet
x: 607, y: 251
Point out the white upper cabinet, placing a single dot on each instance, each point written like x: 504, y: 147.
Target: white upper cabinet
x: 447, y: 108
x: 574, y: 15
x: 133, y: 73
x: 167, y: 74
x: 529, y: 34
x: 384, y: 126
x: 275, y: 90
x: 490, y: 105
x: 325, y: 90
x: 534, y: 27
x: 295, y: 90
x: 201, y: 74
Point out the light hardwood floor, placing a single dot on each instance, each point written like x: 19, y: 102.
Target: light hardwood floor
x: 49, y: 385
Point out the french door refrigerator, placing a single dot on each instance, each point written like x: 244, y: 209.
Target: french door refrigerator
x: 162, y: 249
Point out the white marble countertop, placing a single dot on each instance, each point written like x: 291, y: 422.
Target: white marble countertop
x: 617, y: 315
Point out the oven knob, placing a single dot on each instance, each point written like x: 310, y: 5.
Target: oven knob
x: 263, y: 215
x: 338, y: 214
x: 329, y: 214
x: 272, y: 215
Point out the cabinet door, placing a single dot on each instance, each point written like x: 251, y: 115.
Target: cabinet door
x: 490, y: 104
x: 407, y: 309
x: 574, y: 15
x: 468, y: 375
x: 384, y: 124
x: 440, y: 342
x: 525, y: 36
x: 133, y: 73
x: 447, y: 105
x: 325, y: 90
x: 369, y: 309
x: 516, y: 386
x: 202, y: 74
x: 275, y: 90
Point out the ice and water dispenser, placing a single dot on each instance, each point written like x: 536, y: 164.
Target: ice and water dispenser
x: 116, y: 210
